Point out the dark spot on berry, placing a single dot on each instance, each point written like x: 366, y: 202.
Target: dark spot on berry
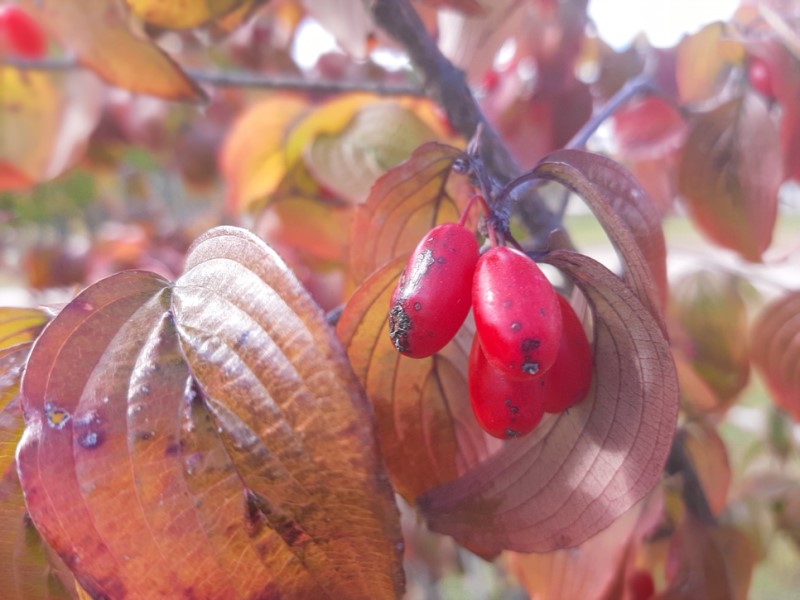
x: 542, y: 312
x: 441, y: 260
x: 531, y: 368
x: 512, y: 409
x: 417, y: 305
x: 508, y: 303
x: 510, y: 433
x: 399, y: 326
x: 541, y: 383
x: 516, y: 326
x: 529, y: 344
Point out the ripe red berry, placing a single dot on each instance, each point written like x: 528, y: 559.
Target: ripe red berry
x: 567, y: 382
x: 641, y: 585
x: 503, y: 407
x: 759, y: 75
x: 433, y: 296
x: 20, y: 34
x: 517, y: 316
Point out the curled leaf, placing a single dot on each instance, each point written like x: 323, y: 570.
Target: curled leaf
x: 426, y: 429
x: 623, y: 208
x: 704, y: 60
x: 775, y: 339
x: 292, y: 417
x: 403, y: 205
x: 730, y: 196
x: 580, y: 470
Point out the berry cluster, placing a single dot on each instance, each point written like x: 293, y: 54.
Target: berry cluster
x: 530, y: 354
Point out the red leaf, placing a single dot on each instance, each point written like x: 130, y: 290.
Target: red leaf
x: 648, y: 128
x: 292, y: 417
x: 578, y: 471
x: 624, y: 210
x: 426, y: 430
x: 775, y: 339
x: 731, y: 196
x: 402, y: 207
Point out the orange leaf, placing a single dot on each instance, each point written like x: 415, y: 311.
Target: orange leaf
x: 775, y: 339
x: 292, y: 417
x: 730, y: 196
x: 426, y: 429
x: 97, y: 32
x: 252, y: 158
x: 181, y: 15
x: 704, y: 60
x: 402, y: 207
x: 578, y: 471
x: 710, y: 459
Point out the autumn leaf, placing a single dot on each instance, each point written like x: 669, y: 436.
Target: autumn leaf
x: 704, y: 60
x: 183, y: 15
x: 709, y: 456
x: 252, y: 158
x: 648, y: 129
x: 142, y: 399
x: 586, y: 573
x: 403, y: 205
x: 730, y: 173
x: 426, y: 429
x: 775, y: 340
x: 578, y: 471
x: 292, y: 415
x: 97, y: 32
x: 710, y: 315
x: 378, y: 137
x: 630, y: 219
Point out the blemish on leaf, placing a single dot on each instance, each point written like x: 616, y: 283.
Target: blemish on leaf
x: 90, y: 440
x: 57, y: 418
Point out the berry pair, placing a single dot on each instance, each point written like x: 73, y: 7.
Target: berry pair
x: 530, y: 354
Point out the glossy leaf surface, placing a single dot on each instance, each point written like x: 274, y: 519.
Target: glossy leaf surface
x: 730, y: 196
x: 578, y: 471
x: 775, y: 339
x: 292, y: 416
x: 402, y: 206
x: 426, y: 430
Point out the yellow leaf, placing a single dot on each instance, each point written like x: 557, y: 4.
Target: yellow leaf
x: 181, y: 15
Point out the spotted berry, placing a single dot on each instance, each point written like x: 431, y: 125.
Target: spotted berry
x: 517, y: 314
x: 505, y: 408
x: 433, y: 295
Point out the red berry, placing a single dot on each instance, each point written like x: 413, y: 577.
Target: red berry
x: 433, y: 296
x: 504, y: 407
x: 20, y: 34
x: 641, y: 585
x: 517, y: 316
x: 759, y: 75
x: 567, y: 382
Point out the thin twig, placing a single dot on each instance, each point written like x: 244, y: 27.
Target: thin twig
x: 244, y: 79
x: 694, y: 498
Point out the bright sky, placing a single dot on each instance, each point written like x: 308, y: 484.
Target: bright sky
x: 664, y: 21
x: 618, y: 22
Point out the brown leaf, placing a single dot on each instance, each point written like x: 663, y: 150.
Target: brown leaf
x: 711, y: 317
x: 730, y: 173
x: 578, y: 471
x: 587, y: 572
x: 97, y: 32
x: 468, y: 7
x: 291, y: 415
x: 403, y: 205
x: 426, y: 429
x: 181, y: 15
x: 624, y: 210
x: 775, y: 339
